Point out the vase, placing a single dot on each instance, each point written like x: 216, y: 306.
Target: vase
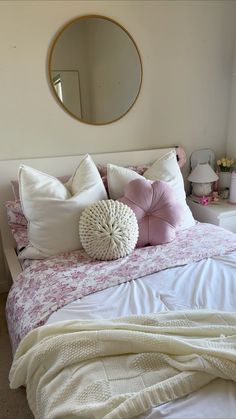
x: 224, y: 180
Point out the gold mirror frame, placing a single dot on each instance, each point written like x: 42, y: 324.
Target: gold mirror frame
x: 67, y: 73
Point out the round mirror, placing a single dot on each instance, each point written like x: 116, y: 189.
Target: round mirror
x: 95, y: 69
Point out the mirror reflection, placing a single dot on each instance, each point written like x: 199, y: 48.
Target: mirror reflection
x: 95, y: 69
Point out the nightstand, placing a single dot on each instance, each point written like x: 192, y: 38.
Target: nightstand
x: 221, y: 213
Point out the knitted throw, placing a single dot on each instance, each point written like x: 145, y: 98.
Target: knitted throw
x: 116, y: 369
x: 108, y: 230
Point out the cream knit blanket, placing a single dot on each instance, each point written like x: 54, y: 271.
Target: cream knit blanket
x: 121, y: 368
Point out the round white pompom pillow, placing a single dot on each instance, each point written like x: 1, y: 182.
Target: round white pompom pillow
x: 108, y: 230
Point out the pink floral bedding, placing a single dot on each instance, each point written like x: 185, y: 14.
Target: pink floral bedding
x: 47, y: 285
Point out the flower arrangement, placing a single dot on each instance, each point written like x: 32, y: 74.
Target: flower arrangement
x: 225, y: 164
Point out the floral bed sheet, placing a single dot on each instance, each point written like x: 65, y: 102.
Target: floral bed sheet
x: 46, y: 285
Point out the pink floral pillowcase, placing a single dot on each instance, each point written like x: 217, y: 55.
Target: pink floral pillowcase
x: 15, y: 213
x: 17, y: 223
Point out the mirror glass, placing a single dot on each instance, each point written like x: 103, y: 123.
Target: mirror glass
x: 95, y: 69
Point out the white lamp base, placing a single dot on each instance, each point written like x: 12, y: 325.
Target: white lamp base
x: 202, y: 189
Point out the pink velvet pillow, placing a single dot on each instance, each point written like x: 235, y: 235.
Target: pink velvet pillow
x: 156, y: 209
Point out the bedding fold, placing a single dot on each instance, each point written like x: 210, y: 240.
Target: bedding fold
x: 122, y: 367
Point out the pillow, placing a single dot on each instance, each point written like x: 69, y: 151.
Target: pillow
x: 140, y: 169
x: 19, y: 233
x: 108, y: 230
x: 15, y: 214
x: 117, y: 178
x: 102, y: 168
x: 53, y: 209
x: 15, y: 185
x: 165, y: 168
x: 156, y: 210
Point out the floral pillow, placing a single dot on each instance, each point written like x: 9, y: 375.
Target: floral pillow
x: 15, y: 213
x: 17, y: 223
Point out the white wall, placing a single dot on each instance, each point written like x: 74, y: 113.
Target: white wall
x: 187, y: 52
x: 231, y: 140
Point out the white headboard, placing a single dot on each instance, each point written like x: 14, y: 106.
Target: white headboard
x: 56, y: 166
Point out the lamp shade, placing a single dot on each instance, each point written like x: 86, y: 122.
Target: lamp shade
x: 203, y: 173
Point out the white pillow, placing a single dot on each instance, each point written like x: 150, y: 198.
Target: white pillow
x: 53, y: 209
x: 117, y: 178
x: 165, y: 168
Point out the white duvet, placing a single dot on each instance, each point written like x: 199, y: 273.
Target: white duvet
x: 210, y: 283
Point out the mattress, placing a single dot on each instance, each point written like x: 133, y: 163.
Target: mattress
x: 209, y: 283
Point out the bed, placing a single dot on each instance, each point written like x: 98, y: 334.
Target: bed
x: 147, y: 335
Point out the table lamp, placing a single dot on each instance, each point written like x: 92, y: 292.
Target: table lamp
x: 202, y: 177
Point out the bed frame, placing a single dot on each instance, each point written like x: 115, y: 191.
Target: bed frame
x: 56, y: 166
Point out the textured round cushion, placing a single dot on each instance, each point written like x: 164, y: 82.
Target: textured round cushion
x: 108, y: 230
x: 156, y: 210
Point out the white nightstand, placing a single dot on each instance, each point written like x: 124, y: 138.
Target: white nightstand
x: 222, y: 213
